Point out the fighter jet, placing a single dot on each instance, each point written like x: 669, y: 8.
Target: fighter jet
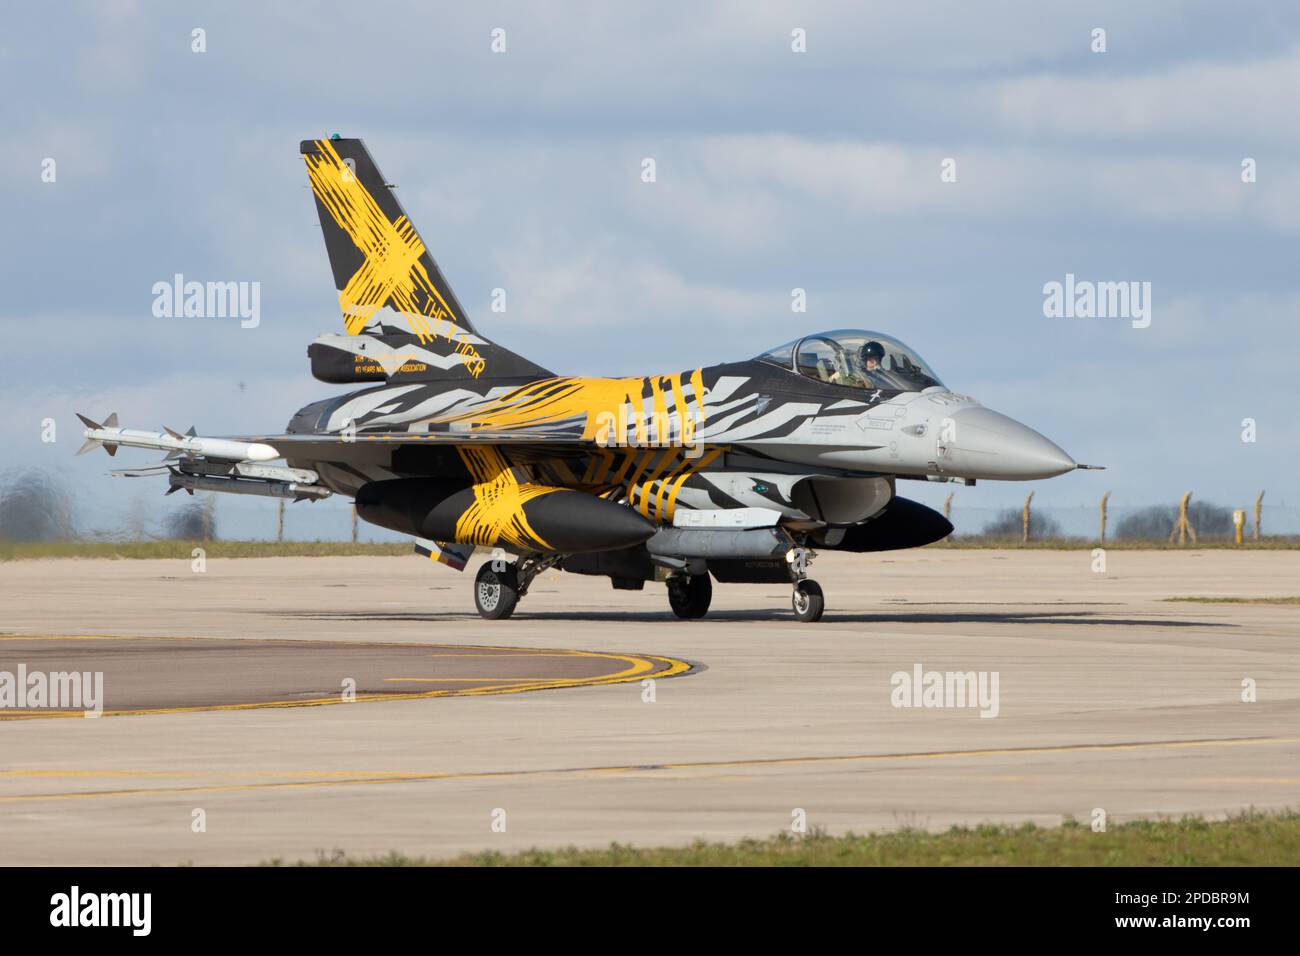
x: 738, y: 473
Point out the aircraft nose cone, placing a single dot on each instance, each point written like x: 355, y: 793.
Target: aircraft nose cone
x: 987, y: 444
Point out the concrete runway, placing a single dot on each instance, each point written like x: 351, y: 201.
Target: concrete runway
x: 1109, y: 697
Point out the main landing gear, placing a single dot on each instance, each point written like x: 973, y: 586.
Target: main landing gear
x: 500, y: 584
x: 496, y: 590
x: 807, y: 600
x: 689, y: 595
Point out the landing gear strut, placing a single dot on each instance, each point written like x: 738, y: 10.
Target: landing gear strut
x: 807, y: 599
x: 689, y: 595
x: 500, y: 584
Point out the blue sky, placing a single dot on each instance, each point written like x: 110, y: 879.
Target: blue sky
x: 775, y: 170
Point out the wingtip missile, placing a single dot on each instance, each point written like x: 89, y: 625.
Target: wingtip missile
x: 175, y: 444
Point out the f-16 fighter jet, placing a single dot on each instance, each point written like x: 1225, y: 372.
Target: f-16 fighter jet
x: 735, y: 473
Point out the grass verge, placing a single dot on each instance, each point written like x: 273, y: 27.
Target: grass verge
x: 1194, y: 599
x: 1248, y: 839
x: 1277, y: 543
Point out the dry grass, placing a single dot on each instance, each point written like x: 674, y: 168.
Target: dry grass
x: 1236, y: 600
x: 1249, y: 839
x: 1273, y: 543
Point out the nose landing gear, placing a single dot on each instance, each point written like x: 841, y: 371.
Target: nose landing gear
x: 807, y: 600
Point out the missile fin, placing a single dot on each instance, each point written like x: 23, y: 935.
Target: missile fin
x: 90, y: 445
x: 111, y: 420
x: 110, y: 448
x: 177, y: 435
x: 191, y: 433
x: 89, y: 423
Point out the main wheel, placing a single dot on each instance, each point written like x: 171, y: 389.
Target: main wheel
x: 808, y: 602
x: 689, y: 597
x: 496, y: 590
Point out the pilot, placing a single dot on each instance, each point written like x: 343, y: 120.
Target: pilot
x: 873, y: 353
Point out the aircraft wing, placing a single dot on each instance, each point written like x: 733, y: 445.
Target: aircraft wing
x: 306, y: 445
x: 259, y: 448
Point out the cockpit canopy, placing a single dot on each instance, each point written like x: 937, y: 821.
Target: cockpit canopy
x: 855, y: 358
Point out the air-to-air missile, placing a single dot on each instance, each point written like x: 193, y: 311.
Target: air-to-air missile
x: 195, y: 464
x: 268, y: 488
x: 176, y: 444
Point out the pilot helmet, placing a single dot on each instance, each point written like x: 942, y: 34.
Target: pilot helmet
x: 873, y: 350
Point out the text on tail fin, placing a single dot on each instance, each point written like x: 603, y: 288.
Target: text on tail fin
x: 378, y: 258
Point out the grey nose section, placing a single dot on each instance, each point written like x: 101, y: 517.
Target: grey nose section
x: 986, y: 444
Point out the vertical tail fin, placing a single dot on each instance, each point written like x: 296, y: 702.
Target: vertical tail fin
x: 384, y: 274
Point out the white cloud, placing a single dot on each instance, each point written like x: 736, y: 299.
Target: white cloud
x: 1238, y: 107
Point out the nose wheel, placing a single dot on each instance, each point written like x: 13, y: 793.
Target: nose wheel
x: 807, y: 600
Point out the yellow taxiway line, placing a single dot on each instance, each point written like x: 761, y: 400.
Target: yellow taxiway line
x: 304, y: 779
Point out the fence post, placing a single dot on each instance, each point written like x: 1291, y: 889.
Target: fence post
x: 947, y: 506
x: 1104, y: 498
x: 354, y: 524
x: 1259, y: 505
x: 1025, y: 517
x: 279, y: 522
